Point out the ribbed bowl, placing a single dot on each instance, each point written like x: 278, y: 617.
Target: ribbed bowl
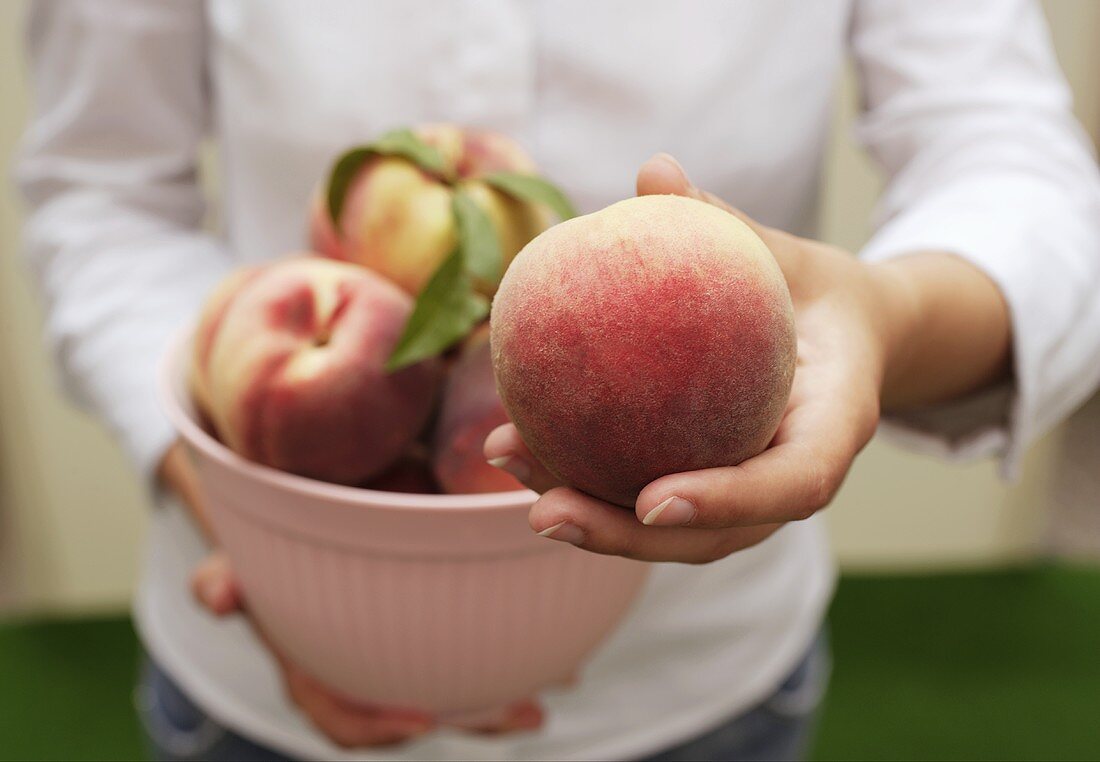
x: 448, y: 603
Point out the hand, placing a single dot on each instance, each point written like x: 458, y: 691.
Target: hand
x: 860, y: 341
x: 346, y: 722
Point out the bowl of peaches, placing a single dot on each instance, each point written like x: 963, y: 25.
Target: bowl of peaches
x: 334, y: 404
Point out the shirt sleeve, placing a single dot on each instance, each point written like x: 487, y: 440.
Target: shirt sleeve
x: 108, y: 171
x: 969, y: 116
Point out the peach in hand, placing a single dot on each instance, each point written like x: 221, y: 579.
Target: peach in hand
x: 653, y: 337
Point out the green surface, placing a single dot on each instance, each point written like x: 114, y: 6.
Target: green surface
x: 65, y: 690
x: 983, y: 666
x: 979, y: 666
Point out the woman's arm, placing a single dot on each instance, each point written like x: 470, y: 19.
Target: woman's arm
x: 970, y: 119
x: 908, y: 332
x: 989, y: 228
x: 950, y: 330
x: 177, y: 474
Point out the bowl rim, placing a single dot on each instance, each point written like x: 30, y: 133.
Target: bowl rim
x: 188, y: 429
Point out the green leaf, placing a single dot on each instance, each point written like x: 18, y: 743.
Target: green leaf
x: 445, y: 311
x: 478, y: 239
x: 402, y: 143
x: 533, y: 188
x: 340, y: 178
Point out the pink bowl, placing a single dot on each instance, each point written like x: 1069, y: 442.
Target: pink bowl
x: 448, y: 603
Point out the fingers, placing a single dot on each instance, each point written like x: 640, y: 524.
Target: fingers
x: 521, y: 716
x: 215, y: 587
x: 570, y: 516
x: 526, y: 715
x: 662, y: 174
x: 354, y: 731
x: 506, y: 450
x: 350, y: 724
x: 788, y: 482
x: 830, y: 417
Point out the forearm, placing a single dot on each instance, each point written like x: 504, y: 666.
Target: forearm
x: 948, y: 331
x: 177, y: 474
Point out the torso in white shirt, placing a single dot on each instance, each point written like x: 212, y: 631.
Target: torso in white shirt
x: 965, y: 112
x: 739, y: 92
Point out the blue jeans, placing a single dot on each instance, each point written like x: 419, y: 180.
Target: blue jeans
x: 779, y: 728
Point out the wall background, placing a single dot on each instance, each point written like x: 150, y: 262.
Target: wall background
x: 71, y: 514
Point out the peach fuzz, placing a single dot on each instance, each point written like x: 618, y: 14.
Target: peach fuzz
x: 288, y: 368
x: 653, y: 337
x: 397, y: 219
x: 471, y: 409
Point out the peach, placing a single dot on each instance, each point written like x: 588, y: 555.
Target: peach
x: 398, y: 221
x: 217, y: 304
x: 412, y: 473
x: 471, y: 409
x: 322, y: 233
x: 653, y: 337
x: 288, y: 368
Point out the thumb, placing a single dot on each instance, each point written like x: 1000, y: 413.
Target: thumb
x: 505, y: 449
x: 214, y: 585
x: 662, y: 174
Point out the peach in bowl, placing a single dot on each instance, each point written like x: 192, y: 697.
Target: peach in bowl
x: 448, y: 603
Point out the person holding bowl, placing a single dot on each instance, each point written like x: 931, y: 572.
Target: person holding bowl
x: 970, y: 318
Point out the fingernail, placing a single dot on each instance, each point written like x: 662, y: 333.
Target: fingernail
x: 513, y: 465
x: 564, y: 531
x: 671, y: 160
x: 670, y: 512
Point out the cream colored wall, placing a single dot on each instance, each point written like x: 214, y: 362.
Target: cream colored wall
x: 71, y: 515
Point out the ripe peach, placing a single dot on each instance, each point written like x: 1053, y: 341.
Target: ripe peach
x: 471, y: 409
x: 217, y: 304
x: 652, y: 337
x: 412, y: 473
x: 397, y: 219
x: 288, y: 367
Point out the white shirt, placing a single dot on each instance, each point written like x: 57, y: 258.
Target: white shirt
x: 965, y: 110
